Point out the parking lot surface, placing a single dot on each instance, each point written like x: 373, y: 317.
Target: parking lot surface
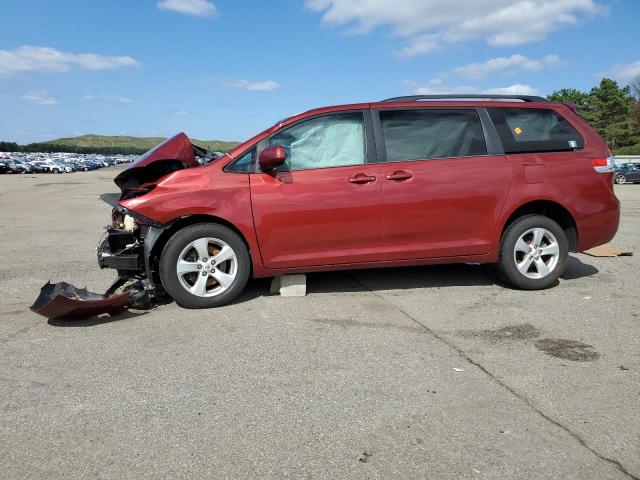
x: 430, y: 372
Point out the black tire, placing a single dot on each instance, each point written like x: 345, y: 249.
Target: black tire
x: 507, y: 267
x: 55, y: 170
x: 621, y: 179
x: 179, y: 241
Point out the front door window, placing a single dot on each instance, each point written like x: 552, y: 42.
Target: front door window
x: 329, y: 141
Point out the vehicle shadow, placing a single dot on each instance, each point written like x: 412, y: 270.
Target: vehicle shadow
x: 576, y: 268
x: 96, y: 320
x: 402, y: 278
x: 344, y: 281
x: 432, y: 276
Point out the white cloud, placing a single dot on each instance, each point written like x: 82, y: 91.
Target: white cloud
x: 428, y: 24
x: 517, y: 89
x: 624, y: 73
x: 45, y: 59
x: 179, y: 113
x: 505, y: 64
x: 40, y: 98
x: 197, y: 8
x: 437, y: 87
x: 420, y: 45
x: 107, y: 98
x: 266, y: 86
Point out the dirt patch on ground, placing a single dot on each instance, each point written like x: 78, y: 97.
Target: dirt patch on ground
x: 524, y: 331
x: 568, y: 349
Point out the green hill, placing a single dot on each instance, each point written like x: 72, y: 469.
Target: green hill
x: 135, y: 144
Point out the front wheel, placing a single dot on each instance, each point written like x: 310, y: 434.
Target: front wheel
x: 620, y: 179
x: 533, y: 253
x: 204, y: 265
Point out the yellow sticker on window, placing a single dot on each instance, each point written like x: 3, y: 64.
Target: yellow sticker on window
x: 518, y: 130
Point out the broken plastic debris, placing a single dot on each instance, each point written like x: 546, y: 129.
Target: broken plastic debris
x: 58, y: 300
x: 458, y: 369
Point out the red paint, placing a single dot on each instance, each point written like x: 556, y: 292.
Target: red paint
x: 447, y: 208
x: 388, y: 214
x: 318, y: 217
x: 535, y: 173
x: 272, y: 157
x: 178, y: 148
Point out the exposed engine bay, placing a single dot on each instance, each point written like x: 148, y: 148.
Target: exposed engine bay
x: 128, y: 241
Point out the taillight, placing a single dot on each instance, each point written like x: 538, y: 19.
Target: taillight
x: 604, y: 165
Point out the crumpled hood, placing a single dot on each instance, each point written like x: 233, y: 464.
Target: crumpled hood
x: 173, y: 154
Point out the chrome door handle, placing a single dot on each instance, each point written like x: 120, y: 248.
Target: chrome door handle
x: 362, y: 179
x: 400, y: 175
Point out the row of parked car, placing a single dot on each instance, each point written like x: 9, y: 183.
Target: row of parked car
x: 57, y: 163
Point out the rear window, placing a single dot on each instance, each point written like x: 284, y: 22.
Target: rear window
x: 527, y: 130
x: 432, y: 133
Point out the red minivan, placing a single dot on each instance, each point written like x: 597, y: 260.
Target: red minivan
x: 514, y: 180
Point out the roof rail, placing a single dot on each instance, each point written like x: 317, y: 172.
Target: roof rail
x: 463, y: 96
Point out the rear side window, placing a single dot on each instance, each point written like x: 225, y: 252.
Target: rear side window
x: 432, y: 133
x: 528, y: 130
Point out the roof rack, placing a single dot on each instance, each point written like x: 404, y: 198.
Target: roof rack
x: 463, y: 96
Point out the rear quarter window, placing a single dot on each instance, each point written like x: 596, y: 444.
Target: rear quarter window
x: 528, y: 130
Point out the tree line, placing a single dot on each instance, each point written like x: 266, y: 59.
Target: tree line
x: 614, y: 111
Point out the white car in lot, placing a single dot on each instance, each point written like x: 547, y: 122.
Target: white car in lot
x: 52, y: 167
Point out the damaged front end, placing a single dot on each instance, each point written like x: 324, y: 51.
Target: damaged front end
x: 125, y: 248
x: 127, y: 244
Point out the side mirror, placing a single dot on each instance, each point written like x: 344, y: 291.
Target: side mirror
x: 272, y: 157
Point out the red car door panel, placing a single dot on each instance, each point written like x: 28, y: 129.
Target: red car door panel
x: 318, y: 217
x: 443, y: 207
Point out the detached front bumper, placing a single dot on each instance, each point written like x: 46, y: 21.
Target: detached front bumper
x: 124, y: 250
x: 62, y: 300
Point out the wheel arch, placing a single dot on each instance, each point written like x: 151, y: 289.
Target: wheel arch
x: 181, y: 223
x: 551, y: 209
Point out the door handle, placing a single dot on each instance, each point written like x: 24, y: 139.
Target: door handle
x: 361, y: 179
x: 400, y: 175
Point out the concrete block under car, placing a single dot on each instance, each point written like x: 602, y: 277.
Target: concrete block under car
x: 289, y: 285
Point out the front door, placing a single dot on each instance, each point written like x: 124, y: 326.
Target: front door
x: 442, y: 193
x: 323, y: 206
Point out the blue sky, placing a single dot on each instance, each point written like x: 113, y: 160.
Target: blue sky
x: 226, y: 69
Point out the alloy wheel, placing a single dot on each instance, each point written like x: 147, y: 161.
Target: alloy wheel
x: 207, y: 267
x: 536, y: 253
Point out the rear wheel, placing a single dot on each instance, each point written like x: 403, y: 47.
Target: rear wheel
x: 533, y: 253
x: 205, y: 265
x: 620, y: 179
x: 55, y: 170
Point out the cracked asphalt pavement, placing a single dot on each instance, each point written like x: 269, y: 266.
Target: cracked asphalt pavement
x: 427, y: 372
